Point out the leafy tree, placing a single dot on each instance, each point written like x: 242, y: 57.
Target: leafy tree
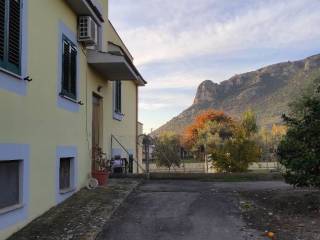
x: 299, y: 151
x: 230, y: 143
x: 238, y: 151
x: 167, y: 150
x: 235, y: 155
x: 205, y: 126
x: 249, y: 123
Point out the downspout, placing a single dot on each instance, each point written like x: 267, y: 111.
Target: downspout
x: 137, y: 109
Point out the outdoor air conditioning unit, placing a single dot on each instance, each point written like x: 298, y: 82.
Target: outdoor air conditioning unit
x: 87, y: 31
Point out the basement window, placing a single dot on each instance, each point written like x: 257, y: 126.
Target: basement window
x: 10, y: 185
x: 65, y: 174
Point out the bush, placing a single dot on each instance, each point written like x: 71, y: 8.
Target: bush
x: 167, y: 150
x: 236, y: 153
x: 299, y: 151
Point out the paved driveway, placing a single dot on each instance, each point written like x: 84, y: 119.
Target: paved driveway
x: 189, y: 210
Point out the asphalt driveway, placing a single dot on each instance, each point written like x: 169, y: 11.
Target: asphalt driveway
x: 183, y: 210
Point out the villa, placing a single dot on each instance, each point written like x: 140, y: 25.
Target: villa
x: 68, y: 85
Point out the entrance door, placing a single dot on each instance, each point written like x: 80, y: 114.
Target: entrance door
x: 96, y: 125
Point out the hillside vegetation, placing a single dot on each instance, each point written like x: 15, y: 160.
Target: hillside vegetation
x: 267, y: 91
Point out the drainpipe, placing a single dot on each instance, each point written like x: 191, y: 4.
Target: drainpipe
x: 137, y: 109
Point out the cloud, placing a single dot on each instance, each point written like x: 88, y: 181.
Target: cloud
x: 179, y: 43
x: 183, y: 31
x: 164, y: 99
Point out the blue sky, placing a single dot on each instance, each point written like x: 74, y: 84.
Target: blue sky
x: 179, y: 43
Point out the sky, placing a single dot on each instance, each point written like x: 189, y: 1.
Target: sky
x: 177, y: 44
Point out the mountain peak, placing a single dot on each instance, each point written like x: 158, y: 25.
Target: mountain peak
x: 267, y: 91
x: 206, y: 92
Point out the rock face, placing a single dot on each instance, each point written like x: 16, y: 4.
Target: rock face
x: 206, y: 92
x: 267, y: 91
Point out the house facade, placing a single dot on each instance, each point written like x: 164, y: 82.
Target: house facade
x: 60, y: 98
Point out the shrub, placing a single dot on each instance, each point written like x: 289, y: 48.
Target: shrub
x: 299, y: 151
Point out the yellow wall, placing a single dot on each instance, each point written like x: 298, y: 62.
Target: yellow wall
x: 36, y: 120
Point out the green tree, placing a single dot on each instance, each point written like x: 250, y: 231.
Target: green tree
x: 235, y: 155
x: 167, y: 150
x: 236, y: 152
x: 299, y: 151
x: 249, y: 123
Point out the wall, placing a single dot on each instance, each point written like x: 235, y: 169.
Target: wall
x: 48, y: 126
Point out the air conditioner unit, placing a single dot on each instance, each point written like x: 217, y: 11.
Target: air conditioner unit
x: 87, y: 31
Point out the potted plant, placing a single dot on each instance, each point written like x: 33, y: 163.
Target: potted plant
x: 101, y: 166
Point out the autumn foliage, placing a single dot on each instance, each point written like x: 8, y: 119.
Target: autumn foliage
x: 191, y: 132
x: 229, y: 143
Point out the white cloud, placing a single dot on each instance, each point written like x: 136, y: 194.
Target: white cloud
x: 269, y: 24
x: 178, y: 33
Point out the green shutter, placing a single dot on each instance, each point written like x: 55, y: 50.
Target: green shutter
x: 14, y: 35
x: 65, y: 67
x: 10, y: 35
x: 69, y: 69
x: 120, y: 97
x: 73, y: 72
x: 2, y: 31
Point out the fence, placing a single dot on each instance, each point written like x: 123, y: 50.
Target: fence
x: 201, y: 167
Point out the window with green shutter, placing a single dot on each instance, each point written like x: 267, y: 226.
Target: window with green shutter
x: 69, y: 69
x: 10, y: 35
x: 117, y: 97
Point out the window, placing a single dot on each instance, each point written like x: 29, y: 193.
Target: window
x: 9, y: 183
x: 65, y: 174
x: 117, y: 97
x: 10, y: 35
x: 69, y: 69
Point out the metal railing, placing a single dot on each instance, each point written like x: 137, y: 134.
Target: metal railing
x: 113, y: 138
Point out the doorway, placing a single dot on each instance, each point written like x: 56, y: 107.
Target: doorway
x: 96, y: 126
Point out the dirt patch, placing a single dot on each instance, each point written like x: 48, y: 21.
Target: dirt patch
x: 291, y: 214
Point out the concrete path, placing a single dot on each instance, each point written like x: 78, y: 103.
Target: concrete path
x: 188, y: 210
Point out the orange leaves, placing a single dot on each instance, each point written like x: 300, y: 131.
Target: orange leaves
x: 190, y: 134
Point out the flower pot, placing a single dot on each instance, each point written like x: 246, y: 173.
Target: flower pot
x: 101, y: 176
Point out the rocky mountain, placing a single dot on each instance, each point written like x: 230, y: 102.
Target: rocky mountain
x: 267, y: 91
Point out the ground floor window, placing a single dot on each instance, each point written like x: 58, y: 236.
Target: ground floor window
x: 65, y: 173
x: 10, y: 176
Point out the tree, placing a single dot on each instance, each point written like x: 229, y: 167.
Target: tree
x: 249, y: 123
x: 299, y: 150
x: 206, y: 124
x: 167, y: 150
x: 237, y: 152
x: 235, y: 155
x: 230, y: 143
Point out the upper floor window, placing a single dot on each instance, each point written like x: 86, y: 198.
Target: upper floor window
x: 10, y: 35
x: 117, y: 96
x: 69, y: 69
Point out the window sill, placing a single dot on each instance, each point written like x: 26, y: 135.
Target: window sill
x: 11, y: 73
x: 10, y: 208
x: 69, y: 98
x: 118, y: 116
x: 67, y: 190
